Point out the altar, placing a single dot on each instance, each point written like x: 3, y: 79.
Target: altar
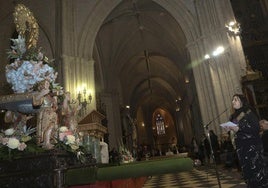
x: 58, y: 169
x: 134, y: 173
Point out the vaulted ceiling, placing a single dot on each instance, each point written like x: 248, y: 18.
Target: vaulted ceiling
x: 143, y: 46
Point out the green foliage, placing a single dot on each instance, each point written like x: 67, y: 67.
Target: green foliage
x: 31, y: 149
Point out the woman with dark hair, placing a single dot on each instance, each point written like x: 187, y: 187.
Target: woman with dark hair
x: 248, y: 143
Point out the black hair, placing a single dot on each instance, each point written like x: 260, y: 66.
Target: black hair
x: 244, y: 108
x: 243, y: 99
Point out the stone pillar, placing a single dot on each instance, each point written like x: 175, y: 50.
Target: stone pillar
x: 217, y: 78
x: 79, y: 75
x: 111, y: 100
x: 77, y: 67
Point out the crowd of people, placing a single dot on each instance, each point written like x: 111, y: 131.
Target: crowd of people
x: 220, y: 150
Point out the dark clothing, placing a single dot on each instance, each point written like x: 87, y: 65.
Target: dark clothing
x: 214, y: 142
x: 227, y: 147
x: 194, y: 149
x: 265, y: 146
x: 204, y: 150
x: 265, y: 141
x: 207, y: 147
x: 249, y: 148
x: 215, y: 146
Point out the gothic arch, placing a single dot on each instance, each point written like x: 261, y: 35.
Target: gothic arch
x: 176, y: 8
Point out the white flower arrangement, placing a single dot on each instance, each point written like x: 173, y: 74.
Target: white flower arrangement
x: 16, y: 138
x: 9, y: 132
x: 70, y: 141
x: 18, y: 49
x: 14, y: 143
x: 24, y: 77
x: 29, y: 67
x: 68, y: 138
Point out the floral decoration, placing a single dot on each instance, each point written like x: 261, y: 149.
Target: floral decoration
x: 125, y: 154
x: 29, y: 67
x: 71, y: 142
x: 15, y: 139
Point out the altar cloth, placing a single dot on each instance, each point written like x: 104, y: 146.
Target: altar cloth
x: 129, y: 170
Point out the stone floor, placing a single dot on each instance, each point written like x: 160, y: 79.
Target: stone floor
x: 201, y: 176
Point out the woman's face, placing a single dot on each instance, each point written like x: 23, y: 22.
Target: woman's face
x: 236, y: 102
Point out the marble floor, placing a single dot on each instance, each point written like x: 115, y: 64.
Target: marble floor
x: 201, y: 176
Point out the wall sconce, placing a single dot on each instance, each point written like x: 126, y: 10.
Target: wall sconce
x: 207, y: 56
x: 233, y: 27
x: 84, y: 99
x: 186, y: 79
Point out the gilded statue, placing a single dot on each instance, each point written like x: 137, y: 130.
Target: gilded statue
x: 47, y: 117
x: 26, y: 25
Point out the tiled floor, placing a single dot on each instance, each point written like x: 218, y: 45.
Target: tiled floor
x: 202, y: 176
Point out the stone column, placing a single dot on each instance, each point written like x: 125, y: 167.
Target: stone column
x: 77, y: 67
x: 217, y: 78
x: 79, y: 75
x: 111, y: 100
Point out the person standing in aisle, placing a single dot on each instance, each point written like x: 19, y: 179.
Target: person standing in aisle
x: 248, y: 143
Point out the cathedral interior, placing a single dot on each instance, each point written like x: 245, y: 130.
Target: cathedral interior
x: 142, y: 62
x: 150, y: 74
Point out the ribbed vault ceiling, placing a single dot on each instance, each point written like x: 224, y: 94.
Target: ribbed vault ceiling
x: 143, y: 47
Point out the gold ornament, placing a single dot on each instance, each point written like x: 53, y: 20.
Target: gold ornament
x: 26, y: 25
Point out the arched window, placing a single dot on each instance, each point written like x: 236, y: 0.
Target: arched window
x: 160, y: 125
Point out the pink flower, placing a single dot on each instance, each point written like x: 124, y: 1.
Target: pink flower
x: 77, y: 140
x: 4, y: 140
x: 22, y: 146
x: 68, y: 133
x: 61, y: 136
